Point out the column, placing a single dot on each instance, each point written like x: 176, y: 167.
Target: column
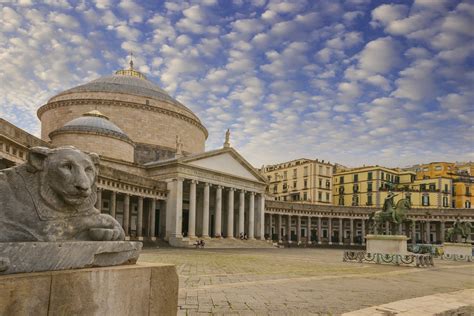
x: 98, y: 202
x: 400, y: 229
x: 330, y: 230
x: 140, y: 218
x: 308, y: 231
x: 174, y: 209
x: 192, y: 210
x: 352, y: 235
x: 288, y: 228
x: 261, y: 215
x: 230, y: 214
x: 413, y: 233
x: 113, y: 203
x: 218, y: 215
x: 428, y: 232
x: 126, y: 214
x: 298, y: 229
x: 363, y: 231
x: 270, y: 224
x: 320, y: 231
x: 152, y: 218
x: 251, y: 228
x: 387, y: 228
x: 280, y: 220
x: 205, y: 211
x: 442, y: 232
x: 341, y: 232
x: 241, y: 212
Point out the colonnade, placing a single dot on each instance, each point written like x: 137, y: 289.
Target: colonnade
x: 201, y: 209
x: 128, y: 209
x: 322, y: 229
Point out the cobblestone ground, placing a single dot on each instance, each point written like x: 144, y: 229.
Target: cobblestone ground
x: 297, y: 281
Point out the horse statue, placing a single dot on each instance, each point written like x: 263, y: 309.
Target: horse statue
x: 459, y: 229
x: 391, y: 213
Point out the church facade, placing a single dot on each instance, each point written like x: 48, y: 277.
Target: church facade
x: 155, y: 176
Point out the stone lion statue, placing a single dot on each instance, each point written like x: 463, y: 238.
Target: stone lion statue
x: 51, y: 198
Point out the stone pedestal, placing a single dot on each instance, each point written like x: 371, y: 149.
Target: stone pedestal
x: 387, y: 244
x: 457, y: 251
x: 21, y: 257
x: 141, y: 289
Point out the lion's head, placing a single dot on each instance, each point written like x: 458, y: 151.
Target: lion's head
x: 67, y: 176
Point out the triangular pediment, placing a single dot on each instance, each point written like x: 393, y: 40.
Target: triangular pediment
x: 225, y: 161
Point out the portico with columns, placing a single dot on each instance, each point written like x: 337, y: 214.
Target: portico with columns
x: 216, y: 194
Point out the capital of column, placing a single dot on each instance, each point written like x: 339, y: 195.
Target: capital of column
x: 194, y: 181
x: 231, y: 189
x: 207, y: 184
x: 252, y: 193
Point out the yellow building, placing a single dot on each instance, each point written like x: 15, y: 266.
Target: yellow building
x: 367, y: 186
x: 434, y: 170
x: 302, y: 180
x: 461, y: 174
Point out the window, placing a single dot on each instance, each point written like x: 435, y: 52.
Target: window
x: 341, y: 189
x: 320, y: 183
x: 425, y: 169
x: 445, y: 201
x: 381, y: 175
x: 269, y: 178
x: 467, y: 204
x: 446, y: 188
x: 305, y: 196
x: 425, y: 200
x: 341, y: 200
x: 341, y: 179
x: 422, y: 187
x: 369, y: 186
x: 369, y: 199
x: 327, y: 196
x: 468, y: 191
x: 355, y: 188
x: 294, y: 185
x: 275, y: 189
x: 432, y: 187
x: 295, y: 173
x: 388, y: 177
x: 355, y: 200
x: 328, y: 171
x: 397, y: 179
x: 305, y: 171
x: 328, y: 184
x: 369, y: 176
x: 305, y: 183
x: 285, y: 186
x: 285, y: 175
x: 356, y: 178
x: 320, y: 196
x: 320, y: 169
x: 438, y: 168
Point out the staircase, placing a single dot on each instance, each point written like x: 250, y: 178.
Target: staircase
x: 236, y: 243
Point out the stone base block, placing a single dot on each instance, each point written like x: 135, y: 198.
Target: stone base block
x: 141, y: 289
x: 388, y: 244
x: 20, y: 257
x: 457, y: 251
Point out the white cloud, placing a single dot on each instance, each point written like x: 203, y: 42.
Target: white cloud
x: 380, y: 55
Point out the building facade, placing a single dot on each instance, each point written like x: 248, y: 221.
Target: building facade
x: 304, y: 180
x: 155, y: 177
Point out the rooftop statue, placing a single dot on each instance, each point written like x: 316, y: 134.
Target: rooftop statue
x: 391, y: 213
x: 51, y: 198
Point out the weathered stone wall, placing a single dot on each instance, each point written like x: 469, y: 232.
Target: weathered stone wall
x: 157, y: 123
x: 146, y: 153
x: 91, y: 142
x: 142, y: 289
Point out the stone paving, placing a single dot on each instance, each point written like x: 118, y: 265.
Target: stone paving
x: 298, y: 281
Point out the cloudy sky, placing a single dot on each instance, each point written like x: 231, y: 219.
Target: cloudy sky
x: 354, y: 82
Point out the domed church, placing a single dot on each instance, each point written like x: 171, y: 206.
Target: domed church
x: 155, y: 176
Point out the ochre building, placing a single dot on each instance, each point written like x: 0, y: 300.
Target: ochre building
x: 303, y: 180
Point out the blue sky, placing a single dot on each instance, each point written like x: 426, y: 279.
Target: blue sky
x: 354, y: 82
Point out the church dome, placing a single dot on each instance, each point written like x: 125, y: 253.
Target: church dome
x: 94, y: 132
x: 145, y: 113
x: 95, y: 122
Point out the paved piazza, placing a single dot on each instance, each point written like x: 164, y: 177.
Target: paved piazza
x: 298, y: 281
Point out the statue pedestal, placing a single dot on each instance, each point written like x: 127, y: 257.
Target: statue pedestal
x: 140, y: 289
x: 457, y: 251
x: 387, y: 244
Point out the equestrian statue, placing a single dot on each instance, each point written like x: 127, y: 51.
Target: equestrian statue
x: 391, y: 213
x: 458, y: 231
